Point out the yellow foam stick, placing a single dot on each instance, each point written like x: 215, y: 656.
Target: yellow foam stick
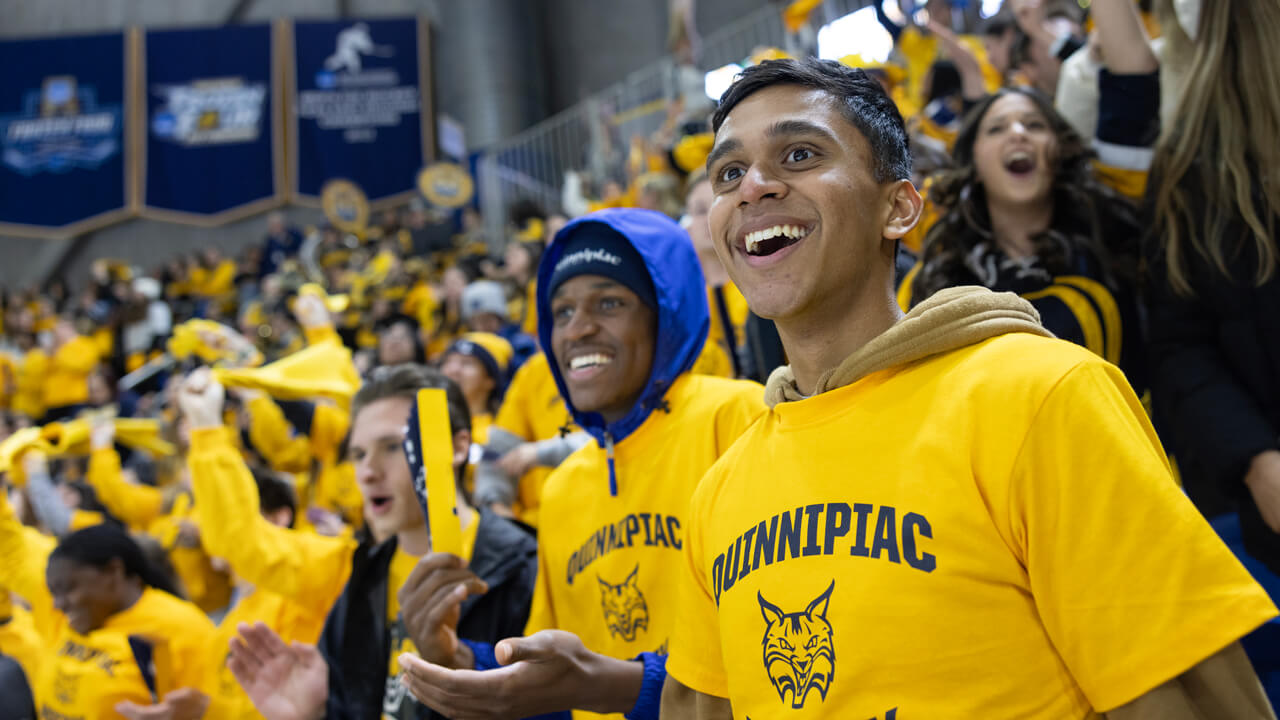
x: 435, y: 438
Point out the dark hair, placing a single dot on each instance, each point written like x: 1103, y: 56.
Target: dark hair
x: 1084, y: 209
x: 275, y: 494
x: 997, y: 26
x: 411, y: 325
x: 98, y: 545
x: 89, y: 501
x: 405, y: 381
x: 944, y: 80
x: 388, y: 381
x: 863, y: 103
x: 1020, y: 49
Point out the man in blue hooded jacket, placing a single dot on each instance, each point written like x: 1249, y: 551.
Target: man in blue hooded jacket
x: 622, y: 311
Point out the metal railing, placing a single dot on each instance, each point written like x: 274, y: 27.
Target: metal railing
x: 593, y: 136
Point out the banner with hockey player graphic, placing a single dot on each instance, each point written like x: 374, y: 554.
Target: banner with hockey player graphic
x: 361, y: 106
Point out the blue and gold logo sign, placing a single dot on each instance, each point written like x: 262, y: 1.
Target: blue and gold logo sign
x: 446, y: 185
x: 215, y: 111
x: 345, y: 205
x: 60, y: 128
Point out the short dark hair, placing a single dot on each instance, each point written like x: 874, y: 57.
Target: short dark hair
x: 275, y: 494
x: 96, y: 546
x: 388, y: 381
x: 863, y: 102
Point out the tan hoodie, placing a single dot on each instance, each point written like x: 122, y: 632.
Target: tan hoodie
x: 948, y: 320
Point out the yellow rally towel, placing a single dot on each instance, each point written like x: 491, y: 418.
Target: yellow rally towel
x: 691, y: 152
x: 72, y: 438
x: 321, y: 370
x: 211, y: 342
x: 949, y: 319
x: 796, y: 14
x: 14, y: 446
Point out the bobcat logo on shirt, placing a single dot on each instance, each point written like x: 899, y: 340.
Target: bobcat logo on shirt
x: 625, y: 611
x: 799, y: 654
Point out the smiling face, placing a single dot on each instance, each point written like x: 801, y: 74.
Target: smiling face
x: 85, y: 594
x: 799, y: 220
x: 382, y: 472
x: 1014, y: 152
x: 602, y: 338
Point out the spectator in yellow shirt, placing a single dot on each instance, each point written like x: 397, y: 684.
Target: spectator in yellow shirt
x: 117, y: 637
x: 66, y: 385
x: 28, y: 396
x: 478, y: 362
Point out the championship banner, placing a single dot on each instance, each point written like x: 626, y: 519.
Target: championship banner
x: 361, y: 107
x: 64, y: 150
x: 214, y: 132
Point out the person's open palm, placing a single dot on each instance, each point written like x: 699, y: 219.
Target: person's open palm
x: 285, y: 682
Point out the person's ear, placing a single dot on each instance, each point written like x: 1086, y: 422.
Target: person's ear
x: 461, y: 448
x: 904, y: 206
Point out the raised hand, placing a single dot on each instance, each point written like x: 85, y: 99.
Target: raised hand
x: 284, y: 682
x: 201, y: 398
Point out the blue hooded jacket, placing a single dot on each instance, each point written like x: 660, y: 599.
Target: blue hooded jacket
x: 683, y: 315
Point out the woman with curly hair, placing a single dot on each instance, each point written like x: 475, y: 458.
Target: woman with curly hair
x: 1022, y: 210
x: 1029, y: 206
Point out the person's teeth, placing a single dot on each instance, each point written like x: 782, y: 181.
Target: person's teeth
x: 588, y: 360
x: 753, y: 239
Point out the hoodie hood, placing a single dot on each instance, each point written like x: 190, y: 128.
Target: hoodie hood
x: 948, y: 320
x: 683, y: 316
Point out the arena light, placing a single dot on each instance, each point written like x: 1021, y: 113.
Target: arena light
x: 858, y: 33
x: 719, y: 80
x: 990, y: 7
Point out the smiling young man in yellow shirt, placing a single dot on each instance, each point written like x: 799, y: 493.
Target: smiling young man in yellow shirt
x: 623, y: 314
x: 943, y: 515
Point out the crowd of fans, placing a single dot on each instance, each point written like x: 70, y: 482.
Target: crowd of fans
x: 209, y: 506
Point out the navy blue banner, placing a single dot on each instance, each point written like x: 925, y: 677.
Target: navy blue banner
x: 63, y: 138
x: 361, y: 106
x: 213, y: 150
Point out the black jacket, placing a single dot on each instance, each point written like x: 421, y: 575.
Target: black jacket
x: 355, y: 641
x: 1215, y: 381
x: 15, y: 691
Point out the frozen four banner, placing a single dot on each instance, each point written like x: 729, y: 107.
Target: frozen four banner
x: 64, y: 158
x: 214, y: 135
x: 361, y: 107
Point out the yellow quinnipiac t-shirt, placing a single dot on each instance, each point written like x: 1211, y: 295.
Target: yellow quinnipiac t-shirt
x: 608, y: 565
x: 991, y: 532
x: 397, y: 703
x: 533, y: 410
x: 19, y: 638
x: 87, y: 675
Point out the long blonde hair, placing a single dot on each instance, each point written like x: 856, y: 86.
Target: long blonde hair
x: 1220, y: 155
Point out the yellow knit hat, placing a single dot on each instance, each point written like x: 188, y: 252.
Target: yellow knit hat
x: 493, y: 351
